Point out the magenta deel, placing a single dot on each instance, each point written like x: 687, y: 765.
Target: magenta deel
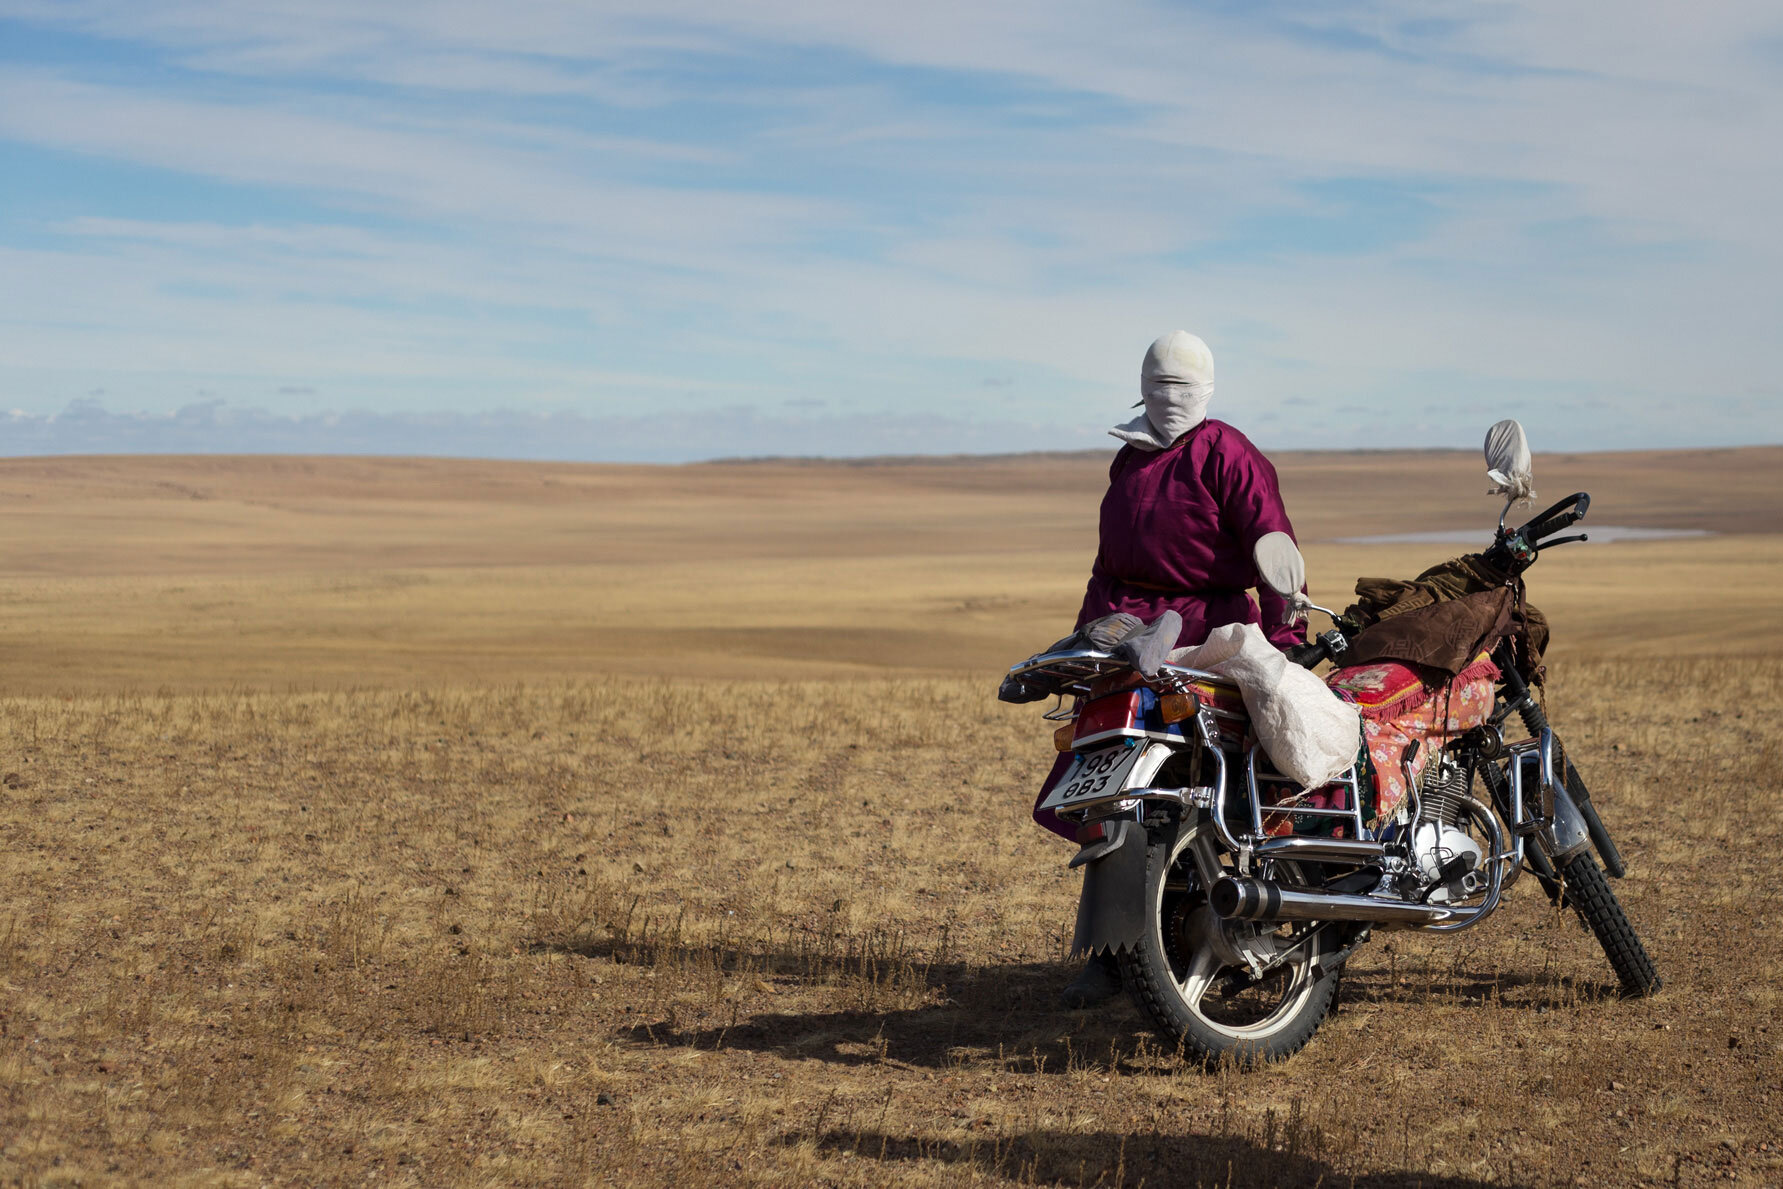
x: 1177, y: 530
x: 1185, y: 520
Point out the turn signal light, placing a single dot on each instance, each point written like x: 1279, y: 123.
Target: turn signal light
x: 1061, y: 738
x: 1176, y: 707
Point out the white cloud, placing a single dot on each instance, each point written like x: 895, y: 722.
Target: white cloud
x: 738, y: 431
x: 1067, y: 181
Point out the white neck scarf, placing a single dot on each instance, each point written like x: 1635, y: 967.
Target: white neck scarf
x: 1175, y: 381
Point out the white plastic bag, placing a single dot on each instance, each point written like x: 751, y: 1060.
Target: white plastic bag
x: 1310, y: 733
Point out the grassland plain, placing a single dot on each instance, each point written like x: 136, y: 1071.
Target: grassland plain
x: 423, y: 823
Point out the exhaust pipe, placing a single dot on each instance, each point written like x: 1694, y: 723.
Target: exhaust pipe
x: 1259, y: 900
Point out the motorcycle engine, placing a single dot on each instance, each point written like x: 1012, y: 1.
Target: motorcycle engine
x: 1450, y: 855
x: 1444, y: 852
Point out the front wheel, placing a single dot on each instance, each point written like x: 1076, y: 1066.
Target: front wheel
x: 1189, y: 973
x: 1589, y: 893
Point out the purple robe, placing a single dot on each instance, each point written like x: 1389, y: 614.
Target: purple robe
x: 1177, y: 531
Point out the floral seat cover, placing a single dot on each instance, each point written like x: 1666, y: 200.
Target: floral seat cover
x: 1401, y: 704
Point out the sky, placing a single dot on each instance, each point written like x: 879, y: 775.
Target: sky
x: 686, y: 229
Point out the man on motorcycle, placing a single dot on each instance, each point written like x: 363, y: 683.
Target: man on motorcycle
x: 1238, y: 846
x: 1188, y: 498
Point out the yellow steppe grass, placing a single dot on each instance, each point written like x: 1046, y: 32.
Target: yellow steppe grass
x: 283, y: 573
x: 763, y: 906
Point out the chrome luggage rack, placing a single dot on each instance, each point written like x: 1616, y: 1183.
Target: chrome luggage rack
x: 1072, y: 671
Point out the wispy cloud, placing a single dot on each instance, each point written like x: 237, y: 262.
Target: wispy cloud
x: 214, y: 426
x: 1426, y: 210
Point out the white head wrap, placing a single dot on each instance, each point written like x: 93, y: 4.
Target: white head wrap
x: 1175, y: 380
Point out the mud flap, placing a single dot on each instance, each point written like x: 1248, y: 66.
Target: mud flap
x: 1111, y: 911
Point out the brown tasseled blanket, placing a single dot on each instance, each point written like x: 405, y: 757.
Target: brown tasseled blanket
x: 1444, y: 618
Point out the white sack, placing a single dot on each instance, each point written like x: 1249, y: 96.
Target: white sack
x: 1310, y: 733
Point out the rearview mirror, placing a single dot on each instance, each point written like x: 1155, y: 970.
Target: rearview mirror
x: 1280, y: 564
x: 1507, y: 462
x: 1283, y: 569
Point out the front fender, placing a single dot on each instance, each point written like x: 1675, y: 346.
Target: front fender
x: 1112, y: 911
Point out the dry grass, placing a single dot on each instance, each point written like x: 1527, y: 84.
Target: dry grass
x: 438, y: 929
x: 298, y: 574
x: 755, y: 934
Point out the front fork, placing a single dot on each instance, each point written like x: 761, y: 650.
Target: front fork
x: 1535, y: 719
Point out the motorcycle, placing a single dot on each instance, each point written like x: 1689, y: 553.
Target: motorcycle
x: 1232, y: 899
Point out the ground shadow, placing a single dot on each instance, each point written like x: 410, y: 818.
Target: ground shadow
x: 1009, y: 1010
x: 1111, y: 1159
x: 1544, y: 991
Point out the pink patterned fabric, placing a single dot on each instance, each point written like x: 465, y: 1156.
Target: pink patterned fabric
x: 1331, y: 796
x: 1447, y: 710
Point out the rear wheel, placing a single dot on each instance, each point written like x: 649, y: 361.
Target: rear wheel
x: 1189, y: 974
x: 1589, y: 893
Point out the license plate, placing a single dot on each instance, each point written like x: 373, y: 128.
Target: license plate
x: 1095, y: 775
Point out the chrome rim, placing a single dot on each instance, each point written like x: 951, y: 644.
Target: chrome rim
x: 1205, y: 968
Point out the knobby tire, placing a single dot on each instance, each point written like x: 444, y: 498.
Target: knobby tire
x: 1589, y: 893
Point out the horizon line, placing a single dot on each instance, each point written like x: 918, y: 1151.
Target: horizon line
x: 849, y: 460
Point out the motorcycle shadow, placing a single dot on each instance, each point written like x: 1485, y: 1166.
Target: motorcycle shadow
x: 1007, y: 1014
x: 1061, y: 1158
x: 1510, y: 990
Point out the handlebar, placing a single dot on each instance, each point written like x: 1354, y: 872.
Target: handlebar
x: 1511, y: 553
x: 1564, y: 514
x: 1514, y: 549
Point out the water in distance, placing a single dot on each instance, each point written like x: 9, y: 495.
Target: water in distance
x: 1600, y: 534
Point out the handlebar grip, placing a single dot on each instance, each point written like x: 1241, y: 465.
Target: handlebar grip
x: 1550, y: 542
x: 1308, y: 655
x: 1327, y: 646
x: 1568, y: 511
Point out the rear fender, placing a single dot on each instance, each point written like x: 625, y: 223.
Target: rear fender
x: 1111, y: 912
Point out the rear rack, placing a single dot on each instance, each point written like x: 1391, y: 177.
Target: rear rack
x: 1257, y: 775
x: 1073, y: 671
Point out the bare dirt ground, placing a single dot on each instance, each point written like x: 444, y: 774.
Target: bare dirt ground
x: 464, y: 823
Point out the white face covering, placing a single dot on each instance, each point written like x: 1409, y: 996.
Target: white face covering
x: 1175, y: 380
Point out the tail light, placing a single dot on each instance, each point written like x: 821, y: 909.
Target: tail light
x: 1113, y: 716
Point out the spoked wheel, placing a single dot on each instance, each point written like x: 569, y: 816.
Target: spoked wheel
x: 1191, y: 972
